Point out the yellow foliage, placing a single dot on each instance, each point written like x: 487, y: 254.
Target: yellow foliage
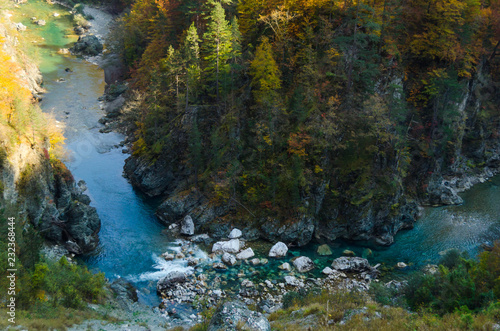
x: 21, y: 120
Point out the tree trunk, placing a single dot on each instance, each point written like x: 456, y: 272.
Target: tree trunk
x: 187, y: 90
x: 217, y: 73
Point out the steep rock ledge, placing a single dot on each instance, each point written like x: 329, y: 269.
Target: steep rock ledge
x: 36, y: 183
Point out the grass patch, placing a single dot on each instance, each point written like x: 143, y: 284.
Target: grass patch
x: 43, y: 316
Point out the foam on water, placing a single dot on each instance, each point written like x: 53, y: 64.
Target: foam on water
x: 164, y: 268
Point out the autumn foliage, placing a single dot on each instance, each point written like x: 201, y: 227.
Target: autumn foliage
x: 349, y: 95
x: 21, y: 120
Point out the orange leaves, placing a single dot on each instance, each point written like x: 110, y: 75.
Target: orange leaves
x: 297, y: 143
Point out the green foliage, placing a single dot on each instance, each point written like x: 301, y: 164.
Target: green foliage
x: 461, y: 284
x: 266, y: 75
x: 60, y: 284
x: 217, y: 46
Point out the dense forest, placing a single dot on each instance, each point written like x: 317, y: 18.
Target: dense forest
x: 336, y: 116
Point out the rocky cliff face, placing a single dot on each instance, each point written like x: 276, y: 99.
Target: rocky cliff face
x: 38, y: 185
x: 474, y: 155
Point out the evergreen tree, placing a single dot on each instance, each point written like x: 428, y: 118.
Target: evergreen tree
x: 217, y: 44
x: 192, y: 59
x: 266, y: 74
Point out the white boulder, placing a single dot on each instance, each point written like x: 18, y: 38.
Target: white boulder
x: 231, y: 246
x: 235, y: 233
x: 278, y: 250
x: 245, y: 254
x: 303, y: 264
x: 228, y: 259
x: 187, y: 226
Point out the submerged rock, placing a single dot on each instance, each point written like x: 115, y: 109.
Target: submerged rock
x: 255, y: 261
x: 219, y: 266
x: 234, y: 315
x: 278, y: 250
x: 367, y: 253
x: 286, y: 266
x: 324, y: 250
x: 303, y: 264
x: 401, y: 265
x: 87, y: 45
x: 348, y: 252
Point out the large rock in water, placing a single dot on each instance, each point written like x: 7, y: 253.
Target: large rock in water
x: 187, y: 226
x: 303, y: 264
x: 351, y: 264
x: 246, y: 254
x: 170, y: 280
x: 234, y: 315
x: 87, y: 45
x: 229, y: 259
x: 278, y: 250
x: 231, y: 246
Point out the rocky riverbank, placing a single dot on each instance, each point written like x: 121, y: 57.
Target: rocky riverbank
x: 40, y: 185
x: 233, y: 271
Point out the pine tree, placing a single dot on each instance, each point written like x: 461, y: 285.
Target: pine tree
x: 192, y: 59
x: 266, y: 74
x: 217, y: 44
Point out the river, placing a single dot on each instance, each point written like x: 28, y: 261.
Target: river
x: 131, y: 238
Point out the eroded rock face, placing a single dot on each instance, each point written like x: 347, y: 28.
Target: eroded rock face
x: 299, y: 232
x: 87, y: 45
x: 64, y: 216
x: 442, y: 194
x: 234, y: 315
